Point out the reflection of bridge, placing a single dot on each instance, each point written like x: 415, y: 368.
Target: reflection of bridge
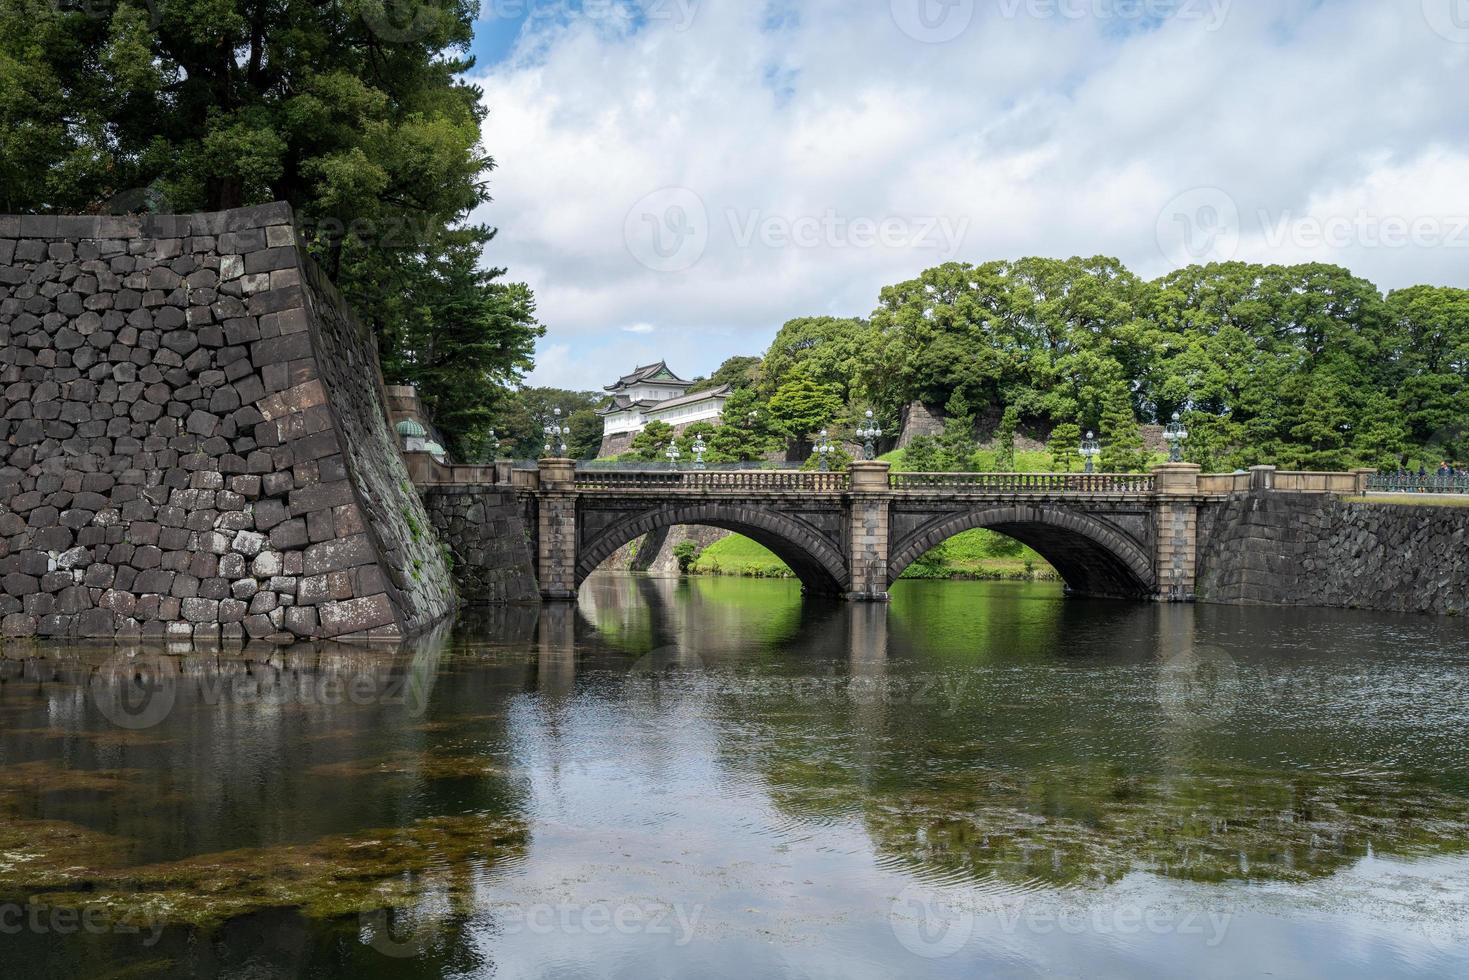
x: 853, y: 533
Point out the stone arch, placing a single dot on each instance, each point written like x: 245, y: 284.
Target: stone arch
x: 819, y: 565
x: 1091, y: 556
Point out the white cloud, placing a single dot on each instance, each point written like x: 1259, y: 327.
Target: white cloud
x: 639, y: 328
x: 796, y: 169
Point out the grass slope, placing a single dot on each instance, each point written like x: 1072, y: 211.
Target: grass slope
x: 977, y: 554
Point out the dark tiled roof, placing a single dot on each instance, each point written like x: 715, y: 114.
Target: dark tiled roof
x: 645, y: 373
x: 697, y: 396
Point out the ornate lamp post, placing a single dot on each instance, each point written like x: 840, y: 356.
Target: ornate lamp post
x: 1090, y: 450
x: 1175, y: 435
x: 699, y: 447
x: 492, y: 444
x: 824, y: 447
x: 556, y: 434
x: 672, y: 453
x: 869, y: 433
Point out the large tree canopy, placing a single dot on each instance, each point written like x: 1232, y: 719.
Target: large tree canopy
x: 353, y: 111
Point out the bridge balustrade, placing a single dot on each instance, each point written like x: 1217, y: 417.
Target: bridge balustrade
x: 1393, y: 483
x: 1002, y: 483
x: 726, y: 480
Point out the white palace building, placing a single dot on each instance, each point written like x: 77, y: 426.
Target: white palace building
x: 653, y: 393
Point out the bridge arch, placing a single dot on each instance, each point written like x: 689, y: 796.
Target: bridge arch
x: 1092, y: 557
x: 819, y: 564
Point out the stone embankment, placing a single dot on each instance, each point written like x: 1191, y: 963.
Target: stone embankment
x: 194, y: 440
x: 1320, y: 550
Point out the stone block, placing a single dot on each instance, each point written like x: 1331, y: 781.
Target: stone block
x: 339, y: 555
x: 355, y: 615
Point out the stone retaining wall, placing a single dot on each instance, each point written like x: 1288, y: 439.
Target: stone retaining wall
x: 486, y: 533
x: 193, y: 439
x: 1300, y: 549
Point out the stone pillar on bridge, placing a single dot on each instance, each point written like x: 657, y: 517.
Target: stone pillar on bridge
x: 1177, y: 530
x: 867, y: 529
x: 556, y: 506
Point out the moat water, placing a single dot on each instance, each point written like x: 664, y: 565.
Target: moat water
x: 717, y: 778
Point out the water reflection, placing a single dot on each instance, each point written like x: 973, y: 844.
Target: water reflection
x: 716, y: 776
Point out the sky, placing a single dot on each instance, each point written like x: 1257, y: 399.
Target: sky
x: 677, y: 178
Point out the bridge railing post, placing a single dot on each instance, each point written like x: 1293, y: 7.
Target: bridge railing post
x: 1176, y: 530
x: 1262, y: 478
x: 556, y: 523
x: 868, y: 499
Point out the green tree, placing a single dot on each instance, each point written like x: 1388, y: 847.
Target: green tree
x: 356, y: 114
x: 651, y: 444
x: 1005, y: 440
x: 1064, y: 445
x: 802, y: 406
x: 1122, y: 442
x: 522, y: 419
x: 468, y: 340
x: 930, y: 454
x: 829, y: 351
x: 1430, y: 369
x: 744, y: 434
x: 687, y: 554
x: 738, y: 372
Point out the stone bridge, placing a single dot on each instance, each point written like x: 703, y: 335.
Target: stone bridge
x: 853, y: 533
